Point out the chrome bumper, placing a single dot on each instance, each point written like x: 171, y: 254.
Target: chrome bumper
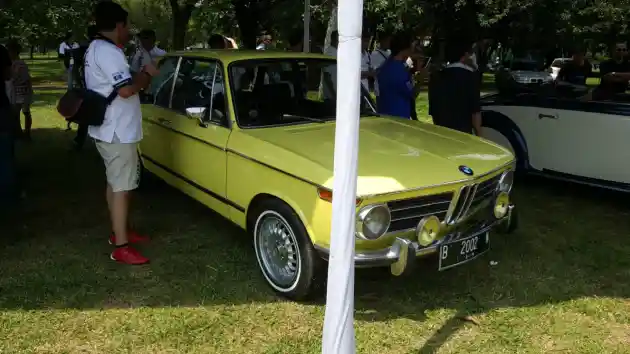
x: 391, y: 255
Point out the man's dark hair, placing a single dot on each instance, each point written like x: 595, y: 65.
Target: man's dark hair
x: 217, y: 41
x: 107, y: 14
x: 92, y: 32
x: 67, y: 36
x: 296, y: 37
x: 400, y: 41
x: 147, y: 34
x: 456, y: 49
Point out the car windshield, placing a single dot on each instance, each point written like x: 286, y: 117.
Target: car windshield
x: 524, y: 65
x: 558, y: 63
x: 284, y: 91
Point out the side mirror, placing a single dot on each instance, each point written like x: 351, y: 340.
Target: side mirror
x: 196, y: 112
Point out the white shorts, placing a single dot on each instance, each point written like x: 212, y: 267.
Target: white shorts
x: 122, y: 165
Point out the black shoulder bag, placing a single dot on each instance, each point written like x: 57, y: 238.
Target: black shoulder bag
x: 84, y: 106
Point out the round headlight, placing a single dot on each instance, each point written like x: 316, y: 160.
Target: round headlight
x: 373, y: 221
x: 505, y: 182
x: 428, y: 230
x: 501, y: 205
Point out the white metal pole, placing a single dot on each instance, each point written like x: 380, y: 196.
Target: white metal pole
x: 338, y: 337
x: 307, y: 26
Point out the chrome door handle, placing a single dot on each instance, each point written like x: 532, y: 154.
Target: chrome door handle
x: 541, y: 116
x: 164, y: 121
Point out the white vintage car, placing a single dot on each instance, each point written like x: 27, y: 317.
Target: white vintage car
x: 555, y: 133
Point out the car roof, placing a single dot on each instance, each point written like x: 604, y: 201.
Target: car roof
x: 230, y: 55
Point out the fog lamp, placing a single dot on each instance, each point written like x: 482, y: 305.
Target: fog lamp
x: 501, y: 205
x: 428, y: 230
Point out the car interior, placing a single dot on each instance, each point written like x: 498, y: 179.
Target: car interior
x: 270, y: 97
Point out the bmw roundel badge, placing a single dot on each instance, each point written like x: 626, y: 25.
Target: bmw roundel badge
x: 466, y: 170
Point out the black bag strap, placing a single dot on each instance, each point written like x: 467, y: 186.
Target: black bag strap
x: 112, y: 96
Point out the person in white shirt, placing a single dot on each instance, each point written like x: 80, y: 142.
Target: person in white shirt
x: 331, y: 71
x: 265, y: 42
x: 366, y: 65
x: 147, y: 52
x: 379, y: 57
x: 106, y: 70
x: 65, y: 53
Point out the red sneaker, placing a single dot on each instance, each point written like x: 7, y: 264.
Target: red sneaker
x: 128, y: 255
x: 132, y: 236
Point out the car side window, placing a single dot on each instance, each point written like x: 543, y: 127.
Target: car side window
x: 162, y: 84
x: 199, y: 89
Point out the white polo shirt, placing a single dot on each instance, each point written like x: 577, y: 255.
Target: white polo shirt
x: 378, y: 58
x: 365, y: 66
x: 143, y: 57
x: 105, y: 68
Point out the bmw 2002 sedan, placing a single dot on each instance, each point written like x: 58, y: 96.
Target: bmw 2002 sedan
x: 250, y: 134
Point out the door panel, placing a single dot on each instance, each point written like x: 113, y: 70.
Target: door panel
x: 587, y: 144
x: 197, y: 151
x: 156, y: 115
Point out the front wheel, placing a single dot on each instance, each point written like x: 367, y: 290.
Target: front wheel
x: 288, y: 261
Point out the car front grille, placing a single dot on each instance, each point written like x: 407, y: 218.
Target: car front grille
x: 406, y: 213
x: 472, y: 196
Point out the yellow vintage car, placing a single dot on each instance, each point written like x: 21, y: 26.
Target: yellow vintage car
x: 250, y: 134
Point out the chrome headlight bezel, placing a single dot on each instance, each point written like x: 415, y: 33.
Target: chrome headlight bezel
x: 362, y: 216
x: 506, y: 181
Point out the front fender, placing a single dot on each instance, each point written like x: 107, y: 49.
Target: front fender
x: 249, y: 179
x: 511, y: 131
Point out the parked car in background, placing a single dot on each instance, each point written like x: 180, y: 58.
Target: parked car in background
x: 521, y: 75
x: 556, y: 133
x: 248, y: 134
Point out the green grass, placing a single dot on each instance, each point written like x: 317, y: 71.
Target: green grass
x: 561, y: 284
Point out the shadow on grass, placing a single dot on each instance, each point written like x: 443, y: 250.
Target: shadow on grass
x: 54, y: 251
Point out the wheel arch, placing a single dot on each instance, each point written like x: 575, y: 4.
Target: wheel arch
x: 511, y: 131
x: 259, y: 198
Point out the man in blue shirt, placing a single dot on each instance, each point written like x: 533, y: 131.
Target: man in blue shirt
x: 396, y: 87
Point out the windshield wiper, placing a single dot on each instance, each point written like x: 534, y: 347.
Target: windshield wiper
x: 317, y: 120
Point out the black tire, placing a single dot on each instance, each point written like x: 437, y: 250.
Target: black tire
x: 309, y: 271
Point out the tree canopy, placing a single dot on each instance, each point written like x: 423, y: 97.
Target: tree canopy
x: 180, y: 23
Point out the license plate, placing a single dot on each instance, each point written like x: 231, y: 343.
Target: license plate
x: 464, y: 250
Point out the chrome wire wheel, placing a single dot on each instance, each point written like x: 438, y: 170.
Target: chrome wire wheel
x: 277, y: 251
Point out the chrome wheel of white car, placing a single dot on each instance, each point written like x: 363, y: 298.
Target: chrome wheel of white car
x: 286, y: 256
x: 277, y: 251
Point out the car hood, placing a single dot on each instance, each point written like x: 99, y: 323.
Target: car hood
x: 394, y: 154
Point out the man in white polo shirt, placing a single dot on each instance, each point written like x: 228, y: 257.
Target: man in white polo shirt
x: 106, y: 69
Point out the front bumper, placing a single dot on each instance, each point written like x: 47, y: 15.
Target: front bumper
x: 400, y: 253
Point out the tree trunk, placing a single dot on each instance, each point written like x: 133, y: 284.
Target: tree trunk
x: 180, y: 25
x: 248, y: 21
x: 32, y: 52
x: 181, y: 17
x: 332, y: 26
